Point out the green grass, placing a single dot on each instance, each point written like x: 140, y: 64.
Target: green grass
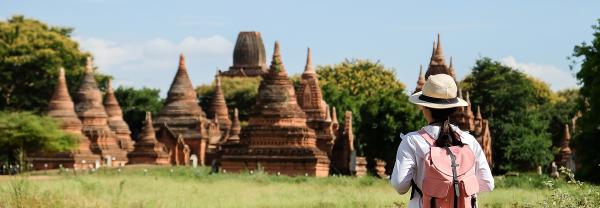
x: 188, y: 187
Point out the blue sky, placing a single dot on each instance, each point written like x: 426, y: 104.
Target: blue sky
x: 138, y: 42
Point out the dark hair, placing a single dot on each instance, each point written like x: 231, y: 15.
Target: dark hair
x: 447, y: 137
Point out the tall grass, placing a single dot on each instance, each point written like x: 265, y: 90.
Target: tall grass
x: 150, y: 186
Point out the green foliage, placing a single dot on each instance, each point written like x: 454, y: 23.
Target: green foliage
x: 586, y: 142
x: 23, y: 132
x: 135, y: 103
x: 31, y: 53
x: 239, y: 93
x: 511, y: 102
x: 379, y: 105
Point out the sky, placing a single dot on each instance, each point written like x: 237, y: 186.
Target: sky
x: 138, y: 42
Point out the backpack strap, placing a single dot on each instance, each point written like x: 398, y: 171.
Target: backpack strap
x: 454, y: 176
x: 426, y: 136
x: 414, y: 188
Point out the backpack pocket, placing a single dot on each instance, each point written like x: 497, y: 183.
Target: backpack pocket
x: 436, y: 188
x: 470, y: 185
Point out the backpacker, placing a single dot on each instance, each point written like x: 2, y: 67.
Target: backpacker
x: 450, y: 179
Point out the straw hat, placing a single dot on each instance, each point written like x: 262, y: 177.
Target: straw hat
x: 438, y: 92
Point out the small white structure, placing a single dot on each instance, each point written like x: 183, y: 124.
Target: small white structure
x: 194, y: 160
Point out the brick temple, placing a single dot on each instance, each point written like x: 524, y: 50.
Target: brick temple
x: 93, y: 115
x: 464, y: 118
x: 62, y: 109
x: 288, y: 132
x: 277, y: 138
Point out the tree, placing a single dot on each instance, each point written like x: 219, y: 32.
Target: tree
x: 239, y: 93
x: 22, y: 133
x: 379, y: 104
x: 511, y: 101
x: 135, y: 103
x: 31, y: 53
x: 586, y: 142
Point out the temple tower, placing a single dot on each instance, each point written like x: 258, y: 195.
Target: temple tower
x: 115, y: 120
x: 93, y: 116
x: 437, y: 64
x: 310, y: 99
x: 420, y: 81
x: 61, y: 108
x: 181, y: 115
x: 249, y: 57
x: 147, y: 149
x: 343, y: 147
x: 218, y: 108
x: 564, y: 157
x: 277, y: 137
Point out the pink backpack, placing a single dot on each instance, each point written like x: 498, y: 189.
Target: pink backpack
x: 450, y: 179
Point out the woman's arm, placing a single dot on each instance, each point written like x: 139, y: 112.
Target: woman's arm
x: 404, y: 167
x: 482, y: 170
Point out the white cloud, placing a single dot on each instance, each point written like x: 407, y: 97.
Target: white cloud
x: 556, y: 77
x: 153, y: 63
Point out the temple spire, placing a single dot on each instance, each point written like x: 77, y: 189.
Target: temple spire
x: 438, y: 48
x: 452, y: 71
x: 334, y: 119
x: 234, y: 134
x: 148, y: 130
x: 420, y: 81
x: 181, y: 62
x: 277, y: 66
x: 218, y: 108
x: 328, y: 117
x: 89, y: 68
x: 308, y: 69
x: 478, y: 116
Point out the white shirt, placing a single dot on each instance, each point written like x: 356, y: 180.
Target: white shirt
x: 410, y: 157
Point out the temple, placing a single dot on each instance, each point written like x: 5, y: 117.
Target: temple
x: 563, y: 158
x: 277, y: 138
x: 181, y: 116
x: 61, y: 108
x: 463, y: 117
x: 94, y: 118
x: 147, y: 150
x: 249, y: 57
x: 310, y: 99
x: 115, y: 120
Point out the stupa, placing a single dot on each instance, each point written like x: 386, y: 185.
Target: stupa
x: 147, y: 149
x: 93, y: 116
x: 115, y: 120
x: 218, y: 108
x: 181, y: 115
x: 310, y: 99
x: 277, y: 138
x: 564, y: 156
x: 61, y: 108
x: 249, y: 57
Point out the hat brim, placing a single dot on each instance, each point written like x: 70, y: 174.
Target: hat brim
x: 414, y: 98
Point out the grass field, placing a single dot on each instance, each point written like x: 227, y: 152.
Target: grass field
x: 188, y: 187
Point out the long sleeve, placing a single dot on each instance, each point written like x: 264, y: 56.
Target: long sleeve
x: 404, y: 168
x: 482, y: 170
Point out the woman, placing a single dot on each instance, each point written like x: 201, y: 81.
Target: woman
x: 445, y: 166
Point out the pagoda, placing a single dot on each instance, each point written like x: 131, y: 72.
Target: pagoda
x: 115, y: 120
x: 61, y: 108
x: 147, y: 149
x: 93, y: 116
x: 182, y: 116
x: 564, y: 157
x: 249, y: 57
x: 310, y: 99
x: 218, y: 108
x: 277, y: 139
